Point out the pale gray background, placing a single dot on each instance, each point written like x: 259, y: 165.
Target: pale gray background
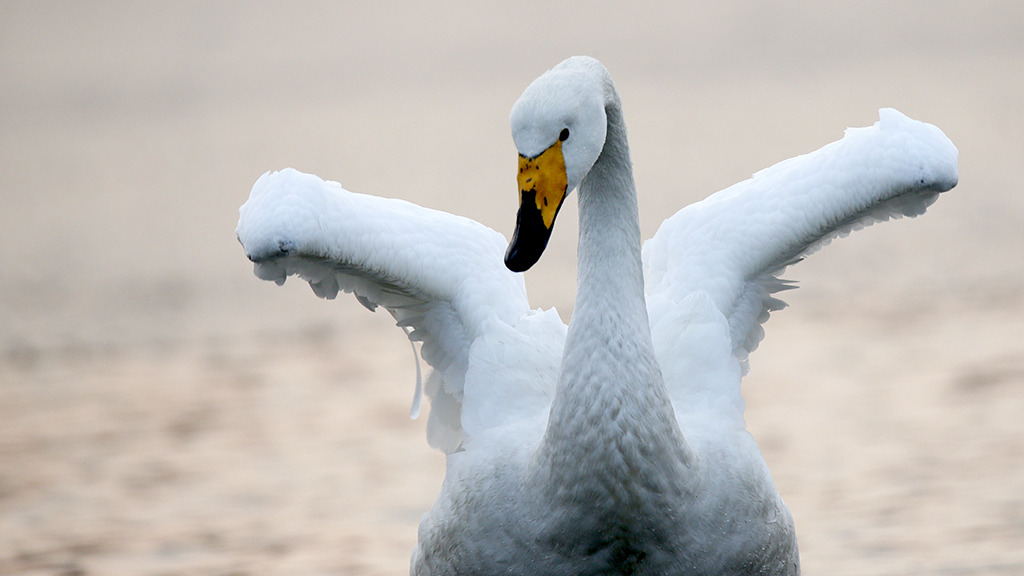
x: 163, y: 412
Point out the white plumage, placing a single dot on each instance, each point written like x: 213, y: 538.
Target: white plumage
x: 617, y: 445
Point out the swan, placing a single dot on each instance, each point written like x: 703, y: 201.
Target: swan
x: 616, y: 445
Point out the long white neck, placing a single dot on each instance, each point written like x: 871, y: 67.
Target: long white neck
x: 612, y: 433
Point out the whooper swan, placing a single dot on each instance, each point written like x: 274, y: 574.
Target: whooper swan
x: 616, y: 445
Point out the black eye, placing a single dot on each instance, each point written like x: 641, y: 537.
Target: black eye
x: 564, y: 135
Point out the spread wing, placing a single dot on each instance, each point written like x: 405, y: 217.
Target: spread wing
x: 441, y: 276
x: 717, y: 263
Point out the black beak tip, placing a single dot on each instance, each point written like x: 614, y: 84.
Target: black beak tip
x: 515, y: 261
x: 529, y: 239
x: 526, y: 248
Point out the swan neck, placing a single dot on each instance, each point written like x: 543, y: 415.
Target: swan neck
x: 611, y: 417
x: 609, y: 269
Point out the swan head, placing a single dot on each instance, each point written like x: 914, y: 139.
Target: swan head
x: 559, y: 126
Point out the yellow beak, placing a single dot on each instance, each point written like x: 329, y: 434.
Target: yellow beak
x: 542, y: 189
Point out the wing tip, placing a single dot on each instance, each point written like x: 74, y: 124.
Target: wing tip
x: 941, y: 161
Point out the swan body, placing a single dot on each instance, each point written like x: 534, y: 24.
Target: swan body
x: 616, y: 445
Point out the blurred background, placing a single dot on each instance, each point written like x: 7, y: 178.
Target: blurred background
x: 164, y: 412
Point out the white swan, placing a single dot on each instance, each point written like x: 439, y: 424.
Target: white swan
x: 618, y: 446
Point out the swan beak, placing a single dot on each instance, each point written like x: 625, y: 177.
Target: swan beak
x: 542, y: 188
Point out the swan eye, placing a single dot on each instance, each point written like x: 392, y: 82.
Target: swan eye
x: 564, y: 135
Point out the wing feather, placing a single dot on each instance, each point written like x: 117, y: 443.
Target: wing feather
x: 732, y: 247
x: 440, y: 276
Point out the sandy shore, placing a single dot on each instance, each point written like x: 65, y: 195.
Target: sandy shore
x: 164, y: 412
